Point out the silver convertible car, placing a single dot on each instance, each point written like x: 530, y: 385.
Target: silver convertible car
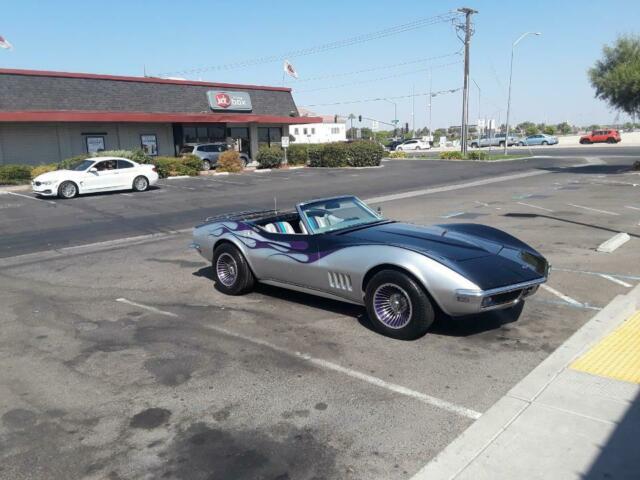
x: 404, y: 274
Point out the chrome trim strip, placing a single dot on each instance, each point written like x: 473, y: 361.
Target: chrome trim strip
x: 496, y: 291
x: 319, y: 293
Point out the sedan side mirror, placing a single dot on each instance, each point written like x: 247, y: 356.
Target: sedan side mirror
x: 93, y: 170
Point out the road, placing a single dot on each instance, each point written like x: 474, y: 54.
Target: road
x: 28, y: 224
x: 561, y: 151
x: 122, y: 361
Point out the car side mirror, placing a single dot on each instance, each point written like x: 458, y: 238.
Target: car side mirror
x: 379, y: 210
x: 93, y: 170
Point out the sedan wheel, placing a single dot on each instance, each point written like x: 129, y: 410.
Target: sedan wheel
x: 398, y: 149
x: 232, y: 273
x: 140, y: 184
x: 545, y: 143
x: 398, y: 306
x: 67, y: 190
x: 206, y: 165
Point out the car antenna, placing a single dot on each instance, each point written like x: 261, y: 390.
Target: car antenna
x: 275, y: 204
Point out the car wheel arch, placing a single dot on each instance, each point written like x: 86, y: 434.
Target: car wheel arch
x: 400, y: 269
x: 237, y: 245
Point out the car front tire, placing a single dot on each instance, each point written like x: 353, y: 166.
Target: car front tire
x: 611, y: 140
x: 140, y: 184
x: 501, y: 144
x: 206, y: 165
x: 67, y: 190
x: 398, y: 149
x: 231, y: 271
x: 584, y: 141
x: 398, y: 306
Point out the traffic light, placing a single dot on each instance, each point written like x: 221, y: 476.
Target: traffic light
x: 360, y: 118
x: 406, y: 127
x: 335, y: 119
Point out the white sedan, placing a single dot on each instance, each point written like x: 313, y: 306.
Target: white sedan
x: 100, y: 174
x: 413, y: 144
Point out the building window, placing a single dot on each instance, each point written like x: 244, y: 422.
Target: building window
x: 335, y: 130
x: 304, y: 131
x: 240, y: 136
x: 313, y: 131
x: 95, y: 144
x: 296, y: 131
x: 149, y: 144
x: 269, y: 136
x: 190, y: 135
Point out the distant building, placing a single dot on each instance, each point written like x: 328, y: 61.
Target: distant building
x: 326, y: 132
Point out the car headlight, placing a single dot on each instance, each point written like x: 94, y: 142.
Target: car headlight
x: 50, y: 182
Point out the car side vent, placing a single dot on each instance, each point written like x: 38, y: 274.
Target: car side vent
x: 340, y: 281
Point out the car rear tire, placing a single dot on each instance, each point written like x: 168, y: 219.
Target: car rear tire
x: 231, y: 271
x: 398, y: 149
x: 584, y: 141
x: 611, y: 140
x: 67, y: 190
x: 206, y: 165
x: 140, y: 184
x: 398, y: 306
x: 545, y: 143
x: 501, y: 144
x: 521, y: 144
x: 474, y: 145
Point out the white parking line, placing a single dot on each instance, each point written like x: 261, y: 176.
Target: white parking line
x: 534, y: 206
x: 593, y: 209
x: 31, y: 198
x: 631, y: 207
x: 561, y: 295
x: 422, y: 397
x: 451, y: 215
x: 615, y: 280
x: 598, y: 274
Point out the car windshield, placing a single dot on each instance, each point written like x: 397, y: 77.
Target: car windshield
x: 83, y: 165
x: 337, y: 213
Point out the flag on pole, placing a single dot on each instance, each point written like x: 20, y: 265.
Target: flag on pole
x: 4, y: 43
x: 289, y: 70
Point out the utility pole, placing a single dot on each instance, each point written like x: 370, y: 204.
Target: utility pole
x: 430, y: 101
x: 465, y: 93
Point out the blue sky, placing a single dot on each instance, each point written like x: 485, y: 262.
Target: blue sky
x: 549, y: 84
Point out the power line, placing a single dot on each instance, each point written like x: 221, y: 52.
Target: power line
x: 378, y: 78
x: 364, y: 100
x: 381, y: 67
x: 346, y: 42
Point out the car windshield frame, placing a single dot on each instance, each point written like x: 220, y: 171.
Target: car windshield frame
x: 86, y: 164
x: 370, y: 217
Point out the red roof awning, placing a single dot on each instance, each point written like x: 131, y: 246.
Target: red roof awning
x: 144, y: 117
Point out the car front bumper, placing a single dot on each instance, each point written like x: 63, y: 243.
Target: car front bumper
x: 476, y: 301
x: 44, y: 189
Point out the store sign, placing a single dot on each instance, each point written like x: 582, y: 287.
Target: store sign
x: 238, y: 101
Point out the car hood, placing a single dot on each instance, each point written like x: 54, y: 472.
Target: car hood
x: 487, y: 256
x: 56, y: 175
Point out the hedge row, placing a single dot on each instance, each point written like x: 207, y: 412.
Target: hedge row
x: 356, y: 154
x: 456, y: 155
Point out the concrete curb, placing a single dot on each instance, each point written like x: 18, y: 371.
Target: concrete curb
x: 459, y: 454
x: 15, y: 188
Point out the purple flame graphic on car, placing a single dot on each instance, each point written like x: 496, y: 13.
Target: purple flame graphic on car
x: 297, y: 250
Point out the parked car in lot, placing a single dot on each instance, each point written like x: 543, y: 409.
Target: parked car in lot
x: 609, y: 135
x: 413, y: 144
x: 341, y: 249
x: 209, y: 153
x: 100, y: 174
x: 538, y: 139
x: 391, y: 146
x: 493, y: 141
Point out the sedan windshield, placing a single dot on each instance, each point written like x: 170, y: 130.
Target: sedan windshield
x: 83, y: 165
x: 337, y: 213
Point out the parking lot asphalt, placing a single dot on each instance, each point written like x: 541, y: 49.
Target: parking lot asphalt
x: 29, y: 224
x: 122, y: 361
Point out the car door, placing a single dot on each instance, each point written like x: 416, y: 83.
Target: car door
x: 102, y: 176
x: 127, y: 171
x: 599, y: 136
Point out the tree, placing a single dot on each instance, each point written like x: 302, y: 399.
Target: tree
x: 616, y: 76
x: 440, y: 132
x: 564, y: 128
x: 549, y: 129
x: 529, y: 128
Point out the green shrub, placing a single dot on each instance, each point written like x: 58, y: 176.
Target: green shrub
x: 364, y: 154
x: 69, y: 163
x: 477, y: 155
x: 40, y: 169
x: 269, y: 157
x: 400, y: 154
x: 297, y: 154
x: 136, y: 155
x: 15, y: 174
x: 332, y: 155
x: 229, y: 161
x: 451, y: 155
x: 173, y: 166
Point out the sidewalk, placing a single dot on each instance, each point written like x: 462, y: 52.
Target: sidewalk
x: 573, y: 417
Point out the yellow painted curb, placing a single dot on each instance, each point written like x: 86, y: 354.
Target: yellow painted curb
x: 617, y: 355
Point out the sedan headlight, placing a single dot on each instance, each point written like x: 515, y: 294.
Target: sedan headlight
x: 49, y: 182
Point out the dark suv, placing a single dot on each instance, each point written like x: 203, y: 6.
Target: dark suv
x: 209, y: 153
x: 609, y: 135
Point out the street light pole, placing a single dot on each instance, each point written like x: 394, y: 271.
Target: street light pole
x: 513, y: 46
x: 479, y: 95
x: 465, y: 93
x: 395, y: 114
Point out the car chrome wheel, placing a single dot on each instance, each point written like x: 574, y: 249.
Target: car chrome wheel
x: 69, y: 190
x: 141, y: 184
x: 226, y: 269
x: 392, y: 305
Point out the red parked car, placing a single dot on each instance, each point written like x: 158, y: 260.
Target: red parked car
x: 609, y: 135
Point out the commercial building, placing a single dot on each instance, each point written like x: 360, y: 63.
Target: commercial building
x: 331, y: 128
x: 49, y: 116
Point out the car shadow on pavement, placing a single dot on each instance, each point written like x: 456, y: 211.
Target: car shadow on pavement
x: 443, y: 324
